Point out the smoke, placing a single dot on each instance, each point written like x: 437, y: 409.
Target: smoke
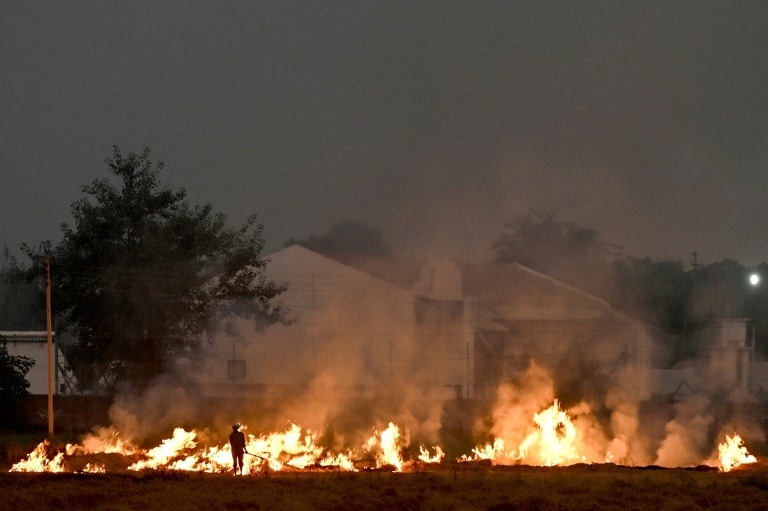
x: 361, y: 353
x: 139, y: 416
x: 623, y: 399
x: 687, y: 434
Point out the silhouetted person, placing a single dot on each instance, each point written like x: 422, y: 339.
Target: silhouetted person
x: 237, y: 443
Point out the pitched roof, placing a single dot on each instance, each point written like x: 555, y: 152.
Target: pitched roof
x: 503, y: 291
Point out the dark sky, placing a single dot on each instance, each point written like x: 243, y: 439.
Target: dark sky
x: 435, y: 121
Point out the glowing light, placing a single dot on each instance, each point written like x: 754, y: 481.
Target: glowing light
x: 754, y: 279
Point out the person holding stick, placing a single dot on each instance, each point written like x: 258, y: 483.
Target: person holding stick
x: 237, y: 443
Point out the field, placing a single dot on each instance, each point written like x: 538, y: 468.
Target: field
x: 470, y: 487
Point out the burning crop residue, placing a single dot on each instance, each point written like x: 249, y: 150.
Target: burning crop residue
x: 38, y: 461
x: 553, y: 440
x: 732, y: 453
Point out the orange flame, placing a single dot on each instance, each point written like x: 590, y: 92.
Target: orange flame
x: 38, y: 461
x: 426, y: 458
x: 389, y: 450
x: 554, y: 442
x: 170, y: 448
x: 732, y: 453
x: 93, y: 469
x: 551, y: 440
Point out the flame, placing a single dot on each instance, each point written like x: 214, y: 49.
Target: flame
x: 38, y: 461
x: 93, y: 469
x: 554, y: 442
x: 494, y: 452
x: 106, y: 440
x: 426, y: 458
x: 551, y: 443
x: 732, y: 453
x: 549, y: 440
x: 170, y: 448
x: 389, y: 450
x: 342, y: 461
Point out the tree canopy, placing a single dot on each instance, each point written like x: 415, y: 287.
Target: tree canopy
x: 347, y: 237
x: 564, y: 250
x: 660, y: 292
x: 542, y: 242
x: 143, y: 277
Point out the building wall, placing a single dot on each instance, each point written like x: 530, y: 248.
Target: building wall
x: 348, y: 329
x: 38, y: 352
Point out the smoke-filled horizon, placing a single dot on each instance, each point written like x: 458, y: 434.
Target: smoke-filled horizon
x: 357, y: 355
x: 434, y: 121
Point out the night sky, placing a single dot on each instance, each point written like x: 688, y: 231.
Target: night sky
x: 434, y: 121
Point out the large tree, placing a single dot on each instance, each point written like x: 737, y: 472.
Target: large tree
x: 143, y: 278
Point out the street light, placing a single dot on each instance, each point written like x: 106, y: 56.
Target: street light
x: 754, y: 279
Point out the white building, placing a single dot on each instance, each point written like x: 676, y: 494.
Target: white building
x: 364, y: 322
x: 34, y: 345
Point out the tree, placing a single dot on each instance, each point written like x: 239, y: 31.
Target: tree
x: 540, y: 241
x: 561, y: 249
x: 22, y: 304
x: 143, y: 277
x: 13, y: 382
x: 347, y: 237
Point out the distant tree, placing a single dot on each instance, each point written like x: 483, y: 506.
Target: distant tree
x: 22, y: 304
x: 656, y: 290
x: 685, y: 302
x: 142, y: 277
x: 347, y: 237
x: 566, y: 251
x: 13, y: 383
x: 540, y: 241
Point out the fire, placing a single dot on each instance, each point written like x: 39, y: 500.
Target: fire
x: 551, y: 443
x: 167, y: 450
x: 38, y: 461
x: 389, y: 450
x: 554, y: 442
x: 298, y: 447
x: 107, y: 440
x: 551, y: 439
x: 426, y: 458
x: 494, y: 452
x: 732, y: 453
x: 94, y: 469
x: 276, y: 451
x: 342, y: 461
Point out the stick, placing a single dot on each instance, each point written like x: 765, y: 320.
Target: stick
x: 260, y: 457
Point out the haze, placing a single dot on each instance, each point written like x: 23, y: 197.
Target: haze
x: 434, y: 121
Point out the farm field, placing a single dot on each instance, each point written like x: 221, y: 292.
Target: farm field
x: 579, y: 487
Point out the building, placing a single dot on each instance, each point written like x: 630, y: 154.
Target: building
x: 365, y: 322
x: 34, y: 345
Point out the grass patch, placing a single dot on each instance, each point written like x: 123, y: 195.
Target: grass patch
x: 495, y: 488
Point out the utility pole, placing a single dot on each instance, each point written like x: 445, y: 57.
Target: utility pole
x: 50, y: 342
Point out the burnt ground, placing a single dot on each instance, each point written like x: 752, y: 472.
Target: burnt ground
x: 449, y: 487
